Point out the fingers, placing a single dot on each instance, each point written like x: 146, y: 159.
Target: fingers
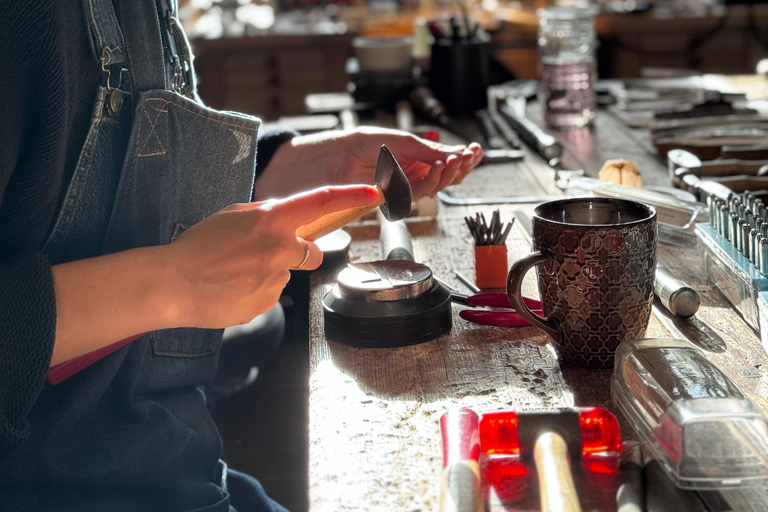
x: 304, y: 249
x: 453, y: 165
x: 427, y: 186
x: 306, y: 206
x: 459, y: 160
x: 473, y: 155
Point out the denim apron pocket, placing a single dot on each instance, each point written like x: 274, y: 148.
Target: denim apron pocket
x: 184, y: 162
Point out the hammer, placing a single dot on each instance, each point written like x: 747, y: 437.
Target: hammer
x: 394, y: 200
x: 550, y: 437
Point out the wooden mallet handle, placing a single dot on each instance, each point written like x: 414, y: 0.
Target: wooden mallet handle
x: 333, y: 221
x: 556, y: 487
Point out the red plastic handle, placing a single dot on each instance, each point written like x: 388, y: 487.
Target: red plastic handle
x: 497, y: 318
x: 65, y: 370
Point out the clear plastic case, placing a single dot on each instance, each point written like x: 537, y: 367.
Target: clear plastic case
x: 693, y: 418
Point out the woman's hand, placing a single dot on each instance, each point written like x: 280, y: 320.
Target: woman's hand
x: 222, y: 271
x: 350, y: 157
x: 235, y: 263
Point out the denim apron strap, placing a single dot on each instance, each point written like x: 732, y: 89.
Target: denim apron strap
x: 178, y: 53
x: 144, y: 44
x: 104, y: 35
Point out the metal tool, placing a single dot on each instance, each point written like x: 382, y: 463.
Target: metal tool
x: 460, y: 488
x: 684, y: 167
x: 545, y: 145
x: 550, y: 437
x: 491, y: 133
x: 679, y: 298
x: 731, y: 167
x: 394, y: 201
x: 467, y: 282
x: 502, y: 156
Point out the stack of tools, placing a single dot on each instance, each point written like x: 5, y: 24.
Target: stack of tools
x: 654, y: 102
x: 490, y: 249
x: 735, y: 250
x: 494, y: 233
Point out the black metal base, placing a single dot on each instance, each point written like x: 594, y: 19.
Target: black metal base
x: 378, y: 324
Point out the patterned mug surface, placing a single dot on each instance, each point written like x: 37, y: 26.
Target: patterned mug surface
x: 596, y: 262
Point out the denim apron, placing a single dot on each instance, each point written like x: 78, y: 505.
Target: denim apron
x: 132, y: 431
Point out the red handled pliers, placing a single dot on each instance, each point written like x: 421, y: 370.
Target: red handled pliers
x: 494, y: 317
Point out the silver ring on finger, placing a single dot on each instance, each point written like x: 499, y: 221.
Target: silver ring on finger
x: 306, y: 255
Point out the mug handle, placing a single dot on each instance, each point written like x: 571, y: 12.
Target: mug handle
x: 514, y: 293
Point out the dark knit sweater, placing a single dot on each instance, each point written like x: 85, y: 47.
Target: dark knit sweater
x: 48, y: 81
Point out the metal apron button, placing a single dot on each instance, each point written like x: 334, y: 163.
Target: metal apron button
x: 114, y: 102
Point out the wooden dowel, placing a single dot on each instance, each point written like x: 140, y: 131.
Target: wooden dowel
x: 556, y: 487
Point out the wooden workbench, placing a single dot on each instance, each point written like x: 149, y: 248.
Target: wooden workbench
x: 374, y: 441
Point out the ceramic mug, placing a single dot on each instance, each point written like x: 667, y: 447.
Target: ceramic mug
x: 596, y: 262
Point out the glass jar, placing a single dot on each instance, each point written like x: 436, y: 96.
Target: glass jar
x: 568, y: 68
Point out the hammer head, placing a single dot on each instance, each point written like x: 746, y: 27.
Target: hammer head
x: 393, y: 183
x: 681, y: 162
x: 586, y: 430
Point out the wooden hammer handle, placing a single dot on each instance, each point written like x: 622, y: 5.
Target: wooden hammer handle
x: 556, y: 488
x: 460, y: 489
x: 333, y: 221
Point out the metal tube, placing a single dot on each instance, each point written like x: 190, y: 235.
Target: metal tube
x: 679, y: 298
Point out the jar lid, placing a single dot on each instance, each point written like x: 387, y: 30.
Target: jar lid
x: 566, y: 13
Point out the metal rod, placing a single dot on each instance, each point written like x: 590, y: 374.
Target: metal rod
x: 466, y: 282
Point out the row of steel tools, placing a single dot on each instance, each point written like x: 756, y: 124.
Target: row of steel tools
x: 743, y: 221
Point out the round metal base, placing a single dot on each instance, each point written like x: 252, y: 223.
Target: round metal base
x: 382, y: 324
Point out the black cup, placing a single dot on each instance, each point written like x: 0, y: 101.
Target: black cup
x: 597, y: 262
x: 459, y: 74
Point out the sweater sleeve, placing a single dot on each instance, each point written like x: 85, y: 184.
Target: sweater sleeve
x: 27, y: 334
x: 268, y: 143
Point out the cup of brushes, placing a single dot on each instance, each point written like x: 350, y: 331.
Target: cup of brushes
x: 490, y: 249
